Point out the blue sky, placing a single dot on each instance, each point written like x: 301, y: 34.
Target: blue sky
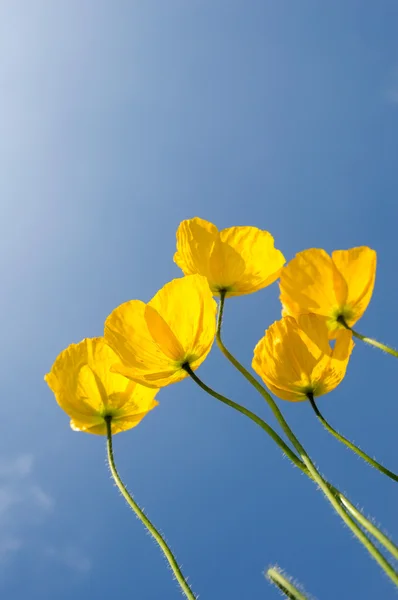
x: 118, y: 120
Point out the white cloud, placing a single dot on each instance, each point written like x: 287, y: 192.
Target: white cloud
x: 41, y: 498
x: 24, y: 504
x: 16, y: 467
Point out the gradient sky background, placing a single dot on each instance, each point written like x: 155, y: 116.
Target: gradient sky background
x: 118, y: 120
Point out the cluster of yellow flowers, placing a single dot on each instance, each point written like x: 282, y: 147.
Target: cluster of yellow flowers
x: 147, y: 346
x: 108, y: 384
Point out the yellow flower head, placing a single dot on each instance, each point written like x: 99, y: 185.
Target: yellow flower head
x: 237, y: 260
x: 337, y: 287
x: 295, y: 359
x: 155, y: 340
x: 87, y: 391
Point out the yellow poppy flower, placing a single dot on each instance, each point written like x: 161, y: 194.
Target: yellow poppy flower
x: 237, y: 260
x: 337, y: 287
x: 295, y: 359
x: 87, y: 391
x: 155, y: 340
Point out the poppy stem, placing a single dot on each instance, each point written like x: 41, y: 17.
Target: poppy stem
x: 349, y: 444
x: 307, y: 466
x: 275, y: 576
x: 248, y: 413
x: 367, y: 524
x: 368, y: 340
x: 142, y: 517
x: 343, y: 500
x: 326, y: 488
x: 375, y: 343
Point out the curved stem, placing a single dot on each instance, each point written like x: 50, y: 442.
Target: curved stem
x: 362, y: 520
x: 375, y: 343
x: 368, y: 340
x: 251, y: 415
x: 261, y: 390
x: 315, y: 475
x: 140, y: 514
x: 349, y: 444
x: 367, y: 524
x: 284, y: 584
x: 324, y: 485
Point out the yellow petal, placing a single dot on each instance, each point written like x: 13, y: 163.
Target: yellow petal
x: 152, y: 378
x: 313, y: 331
x: 153, y: 341
x: 163, y: 335
x: 133, y: 409
x: 200, y: 251
x: 331, y: 372
x: 262, y: 261
x: 80, y: 374
x: 226, y: 267
x: 94, y: 424
x: 99, y: 428
x: 358, y: 267
x: 239, y: 260
x: 310, y: 283
x: 127, y: 332
x: 295, y: 358
x: 343, y: 346
x: 87, y: 390
x: 283, y: 361
x: 195, y: 240
x: 188, y: 308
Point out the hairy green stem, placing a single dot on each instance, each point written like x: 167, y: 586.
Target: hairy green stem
x: 251, y: 415
x: 367, y: 524
x: 315, y: 475
x: 362, y: 520
x: 375, y: 343
x: 349, y: 444
x: 322, y: 483
x: 276, y: 577
x: 368, y: 340
x: 142, y: 517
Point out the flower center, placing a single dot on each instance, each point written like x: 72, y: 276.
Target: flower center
x: 340, y: 317
x: 110, y: 413
x: 188, y: 360
x: 222, y: 290
x: 313, y: 389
